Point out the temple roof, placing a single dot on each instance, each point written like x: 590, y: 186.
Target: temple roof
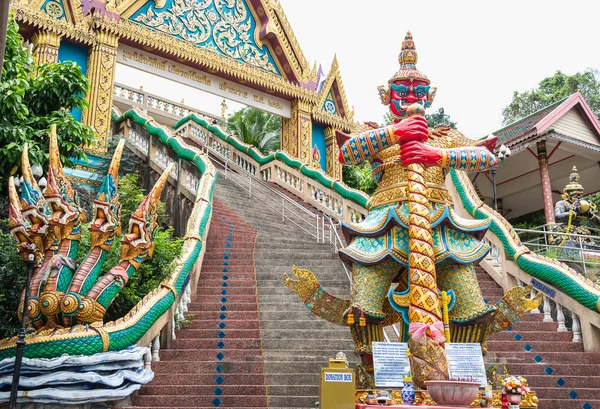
x: 531, y: 128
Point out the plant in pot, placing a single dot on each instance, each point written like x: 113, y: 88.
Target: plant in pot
x: 515, y: 388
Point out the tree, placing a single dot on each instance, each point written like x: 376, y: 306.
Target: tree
x: 551, y: 90
x: 359, y: 177
x: 257, y: 128
x: 31, y: 99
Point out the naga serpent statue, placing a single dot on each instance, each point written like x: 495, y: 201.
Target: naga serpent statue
x: 63, y: 292
x: 412, y: 238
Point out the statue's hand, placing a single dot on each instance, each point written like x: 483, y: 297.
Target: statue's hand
x: 411, y: 129
x: 418, y: 152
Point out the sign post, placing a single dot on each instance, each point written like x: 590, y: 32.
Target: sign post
x: 465, y: 361
x: 390, y: 364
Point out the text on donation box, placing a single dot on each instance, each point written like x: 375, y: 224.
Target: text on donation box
x: 465, y: 362
x: 390, y: 363
x: 338, y: 377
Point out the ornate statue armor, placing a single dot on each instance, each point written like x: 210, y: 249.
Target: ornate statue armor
x: 412, y: 238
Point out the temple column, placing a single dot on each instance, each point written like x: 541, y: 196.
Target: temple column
x: 296, y: 132
x: 545, y: 178
x: 334, y: 167
x: 45, y: 47
x: 102, y: 63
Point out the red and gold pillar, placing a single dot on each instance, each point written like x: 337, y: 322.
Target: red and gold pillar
x: 296, y: 132
x: 102, y: 62
x: 45, y: 47
x: 545, y: 178
x: 334, y: 167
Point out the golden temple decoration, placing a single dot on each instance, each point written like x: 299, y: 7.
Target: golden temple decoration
x: 334, y: 76
x: 102, y: 63
x: 334, y: 167
x: 296, y: 132
x: 45, y: 47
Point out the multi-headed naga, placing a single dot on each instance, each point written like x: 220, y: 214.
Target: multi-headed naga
x: 412, y: 237
x: 64, y: 292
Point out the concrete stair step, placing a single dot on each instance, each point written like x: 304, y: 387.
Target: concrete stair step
x: 205, y: 379
x: 537, y: 346
x: 559, y: 369
x: 570, y: 381
x: 197, y: 344
x: 199, y: 355
x: 307, y: 324
x: 550, y: 357
x: 213, y: 333
x: 301, y: 344
x: 567, y: 403
x: 231, y: 401
x: 204, y: 367
x: 230, y: 315
x: 528, y: 336
x: 247, y: 390
x: 554, y: 393
x: 230, y: 324
x: 217, y: 306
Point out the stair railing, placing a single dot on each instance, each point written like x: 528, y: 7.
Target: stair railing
x: 318, y: 189
x: 289, y: 210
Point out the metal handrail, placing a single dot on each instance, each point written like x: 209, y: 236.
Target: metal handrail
x: 228, y: 163
x: 335, y: 239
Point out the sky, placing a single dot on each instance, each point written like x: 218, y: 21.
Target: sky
x: 477, y: 53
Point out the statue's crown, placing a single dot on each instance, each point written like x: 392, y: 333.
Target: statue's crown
x: 408, y: 58
x: 573, y: 185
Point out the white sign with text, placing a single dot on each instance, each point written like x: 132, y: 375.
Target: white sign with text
x: 201, y: 80
x: 465, y: 361
x: 390, y: 363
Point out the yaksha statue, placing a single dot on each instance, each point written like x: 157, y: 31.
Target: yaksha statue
x: 412, y: 238
x: 571, y: 211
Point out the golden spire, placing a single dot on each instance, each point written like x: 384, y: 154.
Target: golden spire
x: 408, y: 58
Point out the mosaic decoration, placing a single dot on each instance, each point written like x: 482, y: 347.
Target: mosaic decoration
x: 226, y: 27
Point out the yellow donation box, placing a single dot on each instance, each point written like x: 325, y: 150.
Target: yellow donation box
x: 336, y: 389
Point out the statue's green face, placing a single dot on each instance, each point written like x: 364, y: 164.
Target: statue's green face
x: 404, y: 93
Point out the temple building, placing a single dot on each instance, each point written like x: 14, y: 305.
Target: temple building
x: 545, y: 146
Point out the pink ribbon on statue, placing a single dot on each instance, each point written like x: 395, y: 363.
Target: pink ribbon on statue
x: 434, y: 331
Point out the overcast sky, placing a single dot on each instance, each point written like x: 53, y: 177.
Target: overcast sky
x: 476, y: 52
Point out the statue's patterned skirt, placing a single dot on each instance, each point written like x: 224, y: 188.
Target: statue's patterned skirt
x: 383, y: 235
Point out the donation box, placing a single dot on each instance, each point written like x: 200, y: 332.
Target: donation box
x: 336, y: 389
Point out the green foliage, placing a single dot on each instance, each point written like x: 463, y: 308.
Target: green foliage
x: 551, y: 90
x: 31, y: 99
x: 257, y: 128
x: 13, y: 272
x: 153, y: 270
x: 359, y: 177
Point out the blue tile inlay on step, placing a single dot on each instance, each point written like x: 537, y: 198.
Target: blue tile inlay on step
x: 219, y: 380
x: 226, y: 270
x: 223, y: 299
x: 560, y: 382
x: 225, y: 263
x: 219, y: 368
x: 537, y: 358
x: 518, y: 337
x: 225, y: 277
x: 221, y: 334
x: 221, y: 345
x: 224, y: 292
x: 224, y: 285
x: 218, y: 391
x: 527, y: 347
x: 222, y: 325
x: 573, y: 394
x: 220, y: 356
x: 222, y: 316
x: 549, y: 370
x: 217, y: 402
x: 586, y: 405
x: 223, y: 308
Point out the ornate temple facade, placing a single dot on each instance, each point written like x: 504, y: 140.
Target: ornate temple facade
x: 243, y: 50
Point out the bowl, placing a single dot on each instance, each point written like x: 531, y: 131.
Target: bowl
x: 452, y: 393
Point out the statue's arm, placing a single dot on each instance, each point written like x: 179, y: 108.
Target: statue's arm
x: 469, y: 158
x: 561, y: 211
x: 364, y: 146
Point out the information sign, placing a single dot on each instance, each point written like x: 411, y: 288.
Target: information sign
x: 465, y: 361
x: 390, y: 363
